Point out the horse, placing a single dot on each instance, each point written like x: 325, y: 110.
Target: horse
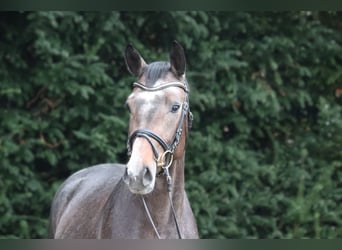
x: 145, y: 198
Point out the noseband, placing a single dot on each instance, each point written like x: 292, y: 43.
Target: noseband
x: 163, y: 161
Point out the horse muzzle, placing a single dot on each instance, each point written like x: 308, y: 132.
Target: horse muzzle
x: 141, y: 182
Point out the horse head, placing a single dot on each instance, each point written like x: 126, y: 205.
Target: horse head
x: 158, y: 105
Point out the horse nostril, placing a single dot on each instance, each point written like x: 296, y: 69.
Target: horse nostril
x: 147, y: 177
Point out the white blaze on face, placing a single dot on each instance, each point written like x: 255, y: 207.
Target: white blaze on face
x: 141, y: 157
x: 149, y: 101
x: 145, y: 101
x: 145, y: 106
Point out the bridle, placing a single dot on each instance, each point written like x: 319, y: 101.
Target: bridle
x: 164, y: 161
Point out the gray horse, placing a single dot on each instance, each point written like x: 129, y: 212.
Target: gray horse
x: 146, y: 197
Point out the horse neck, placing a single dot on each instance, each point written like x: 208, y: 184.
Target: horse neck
x: 176, y: 170
x: 159, y: 200
x: 177, y: 175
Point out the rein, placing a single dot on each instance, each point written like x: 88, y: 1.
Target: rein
x: 164, y: 161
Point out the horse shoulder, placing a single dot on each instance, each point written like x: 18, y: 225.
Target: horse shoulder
x: 79, y: 200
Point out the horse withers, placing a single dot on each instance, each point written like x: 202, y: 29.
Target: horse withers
x: 146, y: 197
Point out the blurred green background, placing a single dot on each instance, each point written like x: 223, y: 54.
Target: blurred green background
x: 264, y: 157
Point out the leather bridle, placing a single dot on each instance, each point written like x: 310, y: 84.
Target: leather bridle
x: 169, y: 149
x: 164, y: 161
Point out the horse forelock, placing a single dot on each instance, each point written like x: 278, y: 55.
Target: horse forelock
x: 155, y: 71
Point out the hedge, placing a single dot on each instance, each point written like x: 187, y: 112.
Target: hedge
x: 264, y: 156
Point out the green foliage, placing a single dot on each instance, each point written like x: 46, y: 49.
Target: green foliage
x: 264, y: 157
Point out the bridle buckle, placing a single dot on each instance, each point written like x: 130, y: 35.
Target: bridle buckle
x: 161, y: 161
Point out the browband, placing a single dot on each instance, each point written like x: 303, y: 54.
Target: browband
x: 166, y: 85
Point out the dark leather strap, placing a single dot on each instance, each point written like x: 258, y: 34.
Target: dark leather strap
x: 147, y: 134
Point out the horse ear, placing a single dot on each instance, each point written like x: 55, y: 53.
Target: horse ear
x: 177, y: 59
x: 134, y: 62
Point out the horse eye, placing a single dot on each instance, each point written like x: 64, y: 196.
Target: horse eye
x: 174, y: 108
